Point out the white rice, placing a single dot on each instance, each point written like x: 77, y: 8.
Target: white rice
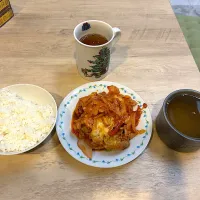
x: 23, y: 123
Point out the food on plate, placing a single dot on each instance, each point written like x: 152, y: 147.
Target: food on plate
x: 106, y: 121
x: 23, y: 123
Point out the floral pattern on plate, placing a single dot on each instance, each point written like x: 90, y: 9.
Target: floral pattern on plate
x: 103, y: 159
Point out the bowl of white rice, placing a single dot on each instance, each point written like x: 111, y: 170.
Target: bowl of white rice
x: 27, y: 117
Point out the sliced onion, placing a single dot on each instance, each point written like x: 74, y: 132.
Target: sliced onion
x: 135, y: 108
x: 87, y: 150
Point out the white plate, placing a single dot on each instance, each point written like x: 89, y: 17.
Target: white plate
x: 103, y: 159
x: 38, y: 95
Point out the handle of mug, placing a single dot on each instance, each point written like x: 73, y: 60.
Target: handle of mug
x: 117, y: 35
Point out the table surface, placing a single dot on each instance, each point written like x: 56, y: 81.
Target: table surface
x: 152, y: 58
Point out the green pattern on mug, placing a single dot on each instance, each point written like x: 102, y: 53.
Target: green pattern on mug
x: 100, y: 65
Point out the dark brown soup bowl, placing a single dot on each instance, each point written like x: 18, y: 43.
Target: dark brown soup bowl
x: 168, y: 133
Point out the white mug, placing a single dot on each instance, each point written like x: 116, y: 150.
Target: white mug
x: 93, y: 61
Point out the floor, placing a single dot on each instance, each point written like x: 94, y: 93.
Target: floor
x: 186, y: 7
x: 188, y: 16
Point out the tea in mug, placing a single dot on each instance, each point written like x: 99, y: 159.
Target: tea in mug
x: 93, y: 39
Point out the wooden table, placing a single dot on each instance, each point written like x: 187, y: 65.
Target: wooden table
x: 152, y: 58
